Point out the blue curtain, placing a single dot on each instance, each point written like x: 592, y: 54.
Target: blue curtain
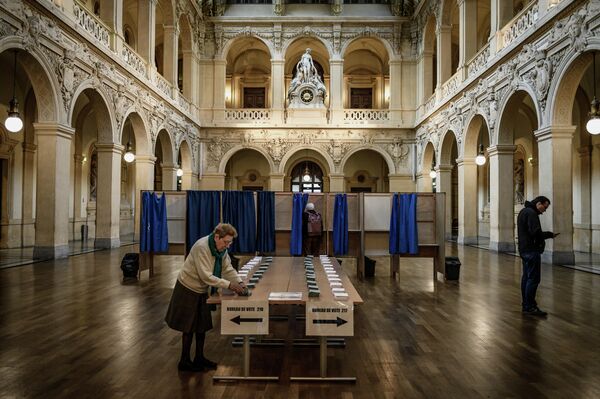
x: 265, y: 241
x: 340, y: 225
x: 298, y: 204
x: 154, y: 233
x: 403, y: 224
x: 239, y: 211
x: 202, y: 215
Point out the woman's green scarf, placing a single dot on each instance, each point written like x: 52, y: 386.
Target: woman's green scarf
x: 218, y: 259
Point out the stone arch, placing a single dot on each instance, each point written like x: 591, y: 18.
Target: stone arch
x: 563, y: 87
x: 39, y: 73
x: 445, y: 149
x: 470, y: 143
x: 429, y: 35
x: 428, y: 158
x: 104, y: 113
x: 143, y: 138
x: 510, y: 104
x: 386, y: 45
x: 386, y: 156
x: 167, y: 147
x: 445, y: 11
x: 185, y: 32
x: 312, y: 38
x: 233, y: 42
x: 187, y: 158
x: 232, y: 151
x: 325, y: 160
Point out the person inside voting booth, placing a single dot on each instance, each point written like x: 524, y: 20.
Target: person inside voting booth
x: 207, y: 267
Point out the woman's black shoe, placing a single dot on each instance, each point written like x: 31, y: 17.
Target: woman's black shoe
x: 204, y: 362
x: 189, y: 366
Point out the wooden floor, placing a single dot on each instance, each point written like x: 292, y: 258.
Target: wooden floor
x: 70, y: 328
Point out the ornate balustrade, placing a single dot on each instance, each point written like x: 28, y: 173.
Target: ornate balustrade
x: 519, y: 24
x: 184, y: 103
x: 366, y: 115
x: 249, y: 115
x: 163, y: 85
x: 91, y: 24
x: 479, y: 61
x: 132, y: 59
x: 450, y: 86
x: 430, y: 104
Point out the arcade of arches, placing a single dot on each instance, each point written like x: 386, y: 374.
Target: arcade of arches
x: 201, y: 95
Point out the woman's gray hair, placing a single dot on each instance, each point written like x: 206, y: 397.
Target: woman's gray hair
x: 310, y: 207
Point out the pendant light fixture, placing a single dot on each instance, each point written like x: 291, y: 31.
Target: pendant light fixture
x: 179, y: 172
x: 480, y: 158
x: 129, y: 156
x: 14, y: 123
x: 432, y: 173
x: 593, y: 124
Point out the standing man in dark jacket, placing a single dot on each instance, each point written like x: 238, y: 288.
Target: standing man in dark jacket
x: 531, y: 246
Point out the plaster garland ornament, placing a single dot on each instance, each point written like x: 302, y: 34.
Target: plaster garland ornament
x: 278, y: 7
x: 277, y: 148
x: 540, y: 77
x: 399, y: 151
x: 216, y: 149
x: 337, y: 7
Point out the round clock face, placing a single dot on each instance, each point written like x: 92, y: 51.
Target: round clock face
x: 306, y: 96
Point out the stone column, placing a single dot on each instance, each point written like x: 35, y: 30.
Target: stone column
x: 212, y: 181
x: 171, y: 36
x: 186, y: 180
x: 206, y: 84
x: 396, y: 91
x: 146, y: 31
x: 501, y: 13
x: 28, y: 228
x: 278, y: 90
x: 144, y: 180
x: 169, y: 175
x: 79, y: 200
x: 424, y: 183
x: 444, y: 185
x: 190, y: 74
x: 444, y: 54
x: 426, y: 76
x: 111, y: 13
x: 400, y: 183
x: 52, y: 191
x: 501, y: 198
x: 336, y: 90
x: 467, y: 201
x: 468, y: 34
x: 219, y: 89
x: 337, y: 183
x: 108, y: 197
x: 556, y: 183
x: 582, y: 210
x: 276, y: 182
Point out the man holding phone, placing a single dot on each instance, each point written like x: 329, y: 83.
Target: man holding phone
x: 532, y: 241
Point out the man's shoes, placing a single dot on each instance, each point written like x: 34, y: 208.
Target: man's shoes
x: 205, y: 363
x: 189, y: 366
x: 535, y: 311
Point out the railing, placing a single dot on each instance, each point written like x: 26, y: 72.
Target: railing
x: 163, y: 85
x: 519, y: 24
x: 366, y: 115
x: 184, y: 103
x: 91, y: 24
x: 248, y: 114
x: 132, y: 59
x: 479, y: 61
x: 450, y: 86
x: 430, y: 104
x: 553, y: 3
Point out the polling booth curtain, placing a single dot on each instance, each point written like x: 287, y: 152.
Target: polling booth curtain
x: 298, y: 204
x: 202, y: 215
x: 340, y: 225
x: 239, y: 211
x: 403, y: 224
x: 265, y: 240
x: 154, y: 233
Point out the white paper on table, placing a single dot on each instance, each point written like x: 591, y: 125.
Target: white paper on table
x: 335, y: 284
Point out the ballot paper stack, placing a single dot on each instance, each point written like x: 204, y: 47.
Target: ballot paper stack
x: 311, y: 278
x: 258, y: 267
x: 335, y: 282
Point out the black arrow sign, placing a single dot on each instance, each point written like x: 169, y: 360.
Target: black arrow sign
x: 238, y: 320
x: 339, y: 321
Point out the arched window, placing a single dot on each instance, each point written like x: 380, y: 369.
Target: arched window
x: 307, y: 177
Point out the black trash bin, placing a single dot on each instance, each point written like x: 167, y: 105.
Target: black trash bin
x: 452, y: 268
x: 369, y: 267
x: 130, y: 265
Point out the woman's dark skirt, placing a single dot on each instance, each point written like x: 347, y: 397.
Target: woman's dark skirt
x: 188, y: 311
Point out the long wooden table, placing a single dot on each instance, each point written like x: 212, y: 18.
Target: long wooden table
x: 287, y: 274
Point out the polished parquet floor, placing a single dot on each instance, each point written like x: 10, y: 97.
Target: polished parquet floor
x: 72, y: 329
